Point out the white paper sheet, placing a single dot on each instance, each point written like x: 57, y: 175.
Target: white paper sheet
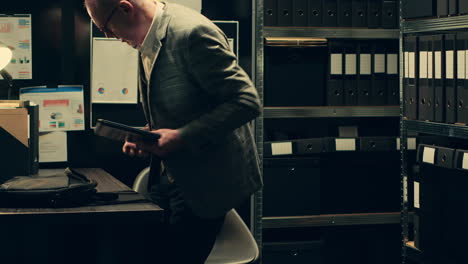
x: 336, y: 67
x: 461, y: 56
x: 53, y: 147
x: 114, y: 77
x: 282, y: 148
x: 15, y: 32
x: 351, y: 66
x: 449, y: 61
x: 423, y: 64
x: 438, y: 64
x: 60, y: 109
x: 365, y: 64
x: 430, y: 67
x: 417, y: 203
x: 379, y: 63
x: 392, y: 63
x: 406, y: 64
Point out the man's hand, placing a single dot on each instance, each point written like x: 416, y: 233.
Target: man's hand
x: 131, y: 149
x: 169, y: 142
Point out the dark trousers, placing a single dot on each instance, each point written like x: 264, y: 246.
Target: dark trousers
x: 184, y: 237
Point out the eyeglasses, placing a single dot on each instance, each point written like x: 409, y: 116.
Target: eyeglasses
x: 108, y: 33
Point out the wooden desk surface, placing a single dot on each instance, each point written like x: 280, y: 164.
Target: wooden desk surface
x: 141, y: 211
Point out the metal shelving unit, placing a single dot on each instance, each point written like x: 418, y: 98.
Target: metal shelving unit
x: 438, y: 129
x: 332, y: 220
x: 434, y: 24
x: 331, y: 111
x: 315, y: 32
x: 447, y: 130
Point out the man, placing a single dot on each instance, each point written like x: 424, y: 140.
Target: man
x: 195, y: 95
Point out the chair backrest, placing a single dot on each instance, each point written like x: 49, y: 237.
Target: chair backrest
x: 234, y: 243
x: 140, y: 184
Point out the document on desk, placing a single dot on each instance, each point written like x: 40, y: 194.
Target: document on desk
x: 53, y: 147
x: 114, y: 72
x: 60, y: 109
x: 15, y: 32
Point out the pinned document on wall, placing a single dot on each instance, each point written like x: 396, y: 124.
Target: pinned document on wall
x: 53, y: 147
x: 15, y: 32
x: 114, y: 74
x: 60, y: 109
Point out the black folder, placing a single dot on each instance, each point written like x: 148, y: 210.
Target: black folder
x: 315, y: 13
x: 410, y: 91
x: 271, y: 13
x: 345, y: 13
x: 374, y: 13
x: 423, y: 88
x: 390, y: 14
x: 359, y: 13
x: 312, y: 146
x: 377, y: 144
x: 285, y: 13
x: 393, y: 83
x: 442, y: 8
x: 462, y: 88
x: 439, y: 78
x: 445, y: 157
x: 453, y: 7
x: 335, y: 74
x: 350, y: 78
x: 419, y: 8
x: 365, y: 73
x: 379, y: 93
x: 462, y: 7
x: 450, y: 79
x: 330, y: 13
x: 301, y: 13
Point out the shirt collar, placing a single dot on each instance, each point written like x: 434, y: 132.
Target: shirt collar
x: 148, y: 42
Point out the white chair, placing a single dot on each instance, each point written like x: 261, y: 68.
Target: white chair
x: 234, y: 243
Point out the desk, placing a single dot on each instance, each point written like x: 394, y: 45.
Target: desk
x: 141, y: 211
x: 87, y: 234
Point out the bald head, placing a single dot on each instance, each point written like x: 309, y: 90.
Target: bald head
x: 128, y: 20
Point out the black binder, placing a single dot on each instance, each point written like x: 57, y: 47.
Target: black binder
x: 419, y: 8
x: 423, y: 102
x: 450, y: 79
x: 374, y: 13
x: 453, y: 7
x: 312, y: 146
x: 393, y: 94
x: 359, y: 13
x: 377, y: 144
x: 445, y: 157
x: 410, y: 91
x: 315, y: 13
x: 285, y: 13
x: 330, y: 13
x: 335, y: 74
x: 350, y: 78
x: 439, y: 78
x: 365, y: 73
x: 379, y: 93
x: 462, y: 88
x: 389, y: 14
x: 271, y: 13
x: 301, y: 13
x: 442, y: 8
x: 345, y: 13
x: 462, y: 7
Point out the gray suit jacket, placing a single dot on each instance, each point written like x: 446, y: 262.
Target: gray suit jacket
x: 196, y: 85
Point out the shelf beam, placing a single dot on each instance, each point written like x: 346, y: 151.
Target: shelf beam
x: 354, y: 33
x: 435, y: 24
x: 438, y: 129
x: 331, y: 111
x: 332, y: 220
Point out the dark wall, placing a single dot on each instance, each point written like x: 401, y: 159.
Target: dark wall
x: 61, y: 55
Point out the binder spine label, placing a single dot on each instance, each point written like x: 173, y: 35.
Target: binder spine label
x: 350, y: 68
x: 449, y: 60
x: 392, y: 64
x: 336, y: 67
x: 283, y: 148
x: 429, y: 155
x: 438, y: 65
